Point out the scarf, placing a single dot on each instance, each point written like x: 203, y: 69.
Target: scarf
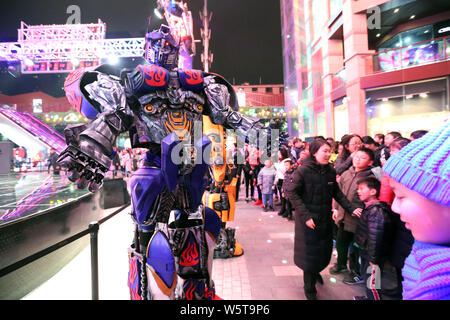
x: 427, y: 272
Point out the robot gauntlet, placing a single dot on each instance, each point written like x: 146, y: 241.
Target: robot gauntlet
x: 89, y: 152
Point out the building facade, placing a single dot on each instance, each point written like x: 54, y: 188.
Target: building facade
x: 365, y: 66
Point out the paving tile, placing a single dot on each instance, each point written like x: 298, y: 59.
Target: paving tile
x: 281, y: 271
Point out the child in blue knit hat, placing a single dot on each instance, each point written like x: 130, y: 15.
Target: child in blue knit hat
x: 420, y: 179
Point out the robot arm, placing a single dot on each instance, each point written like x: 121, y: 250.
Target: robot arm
x: 101, y: 97
x: 221, y: 113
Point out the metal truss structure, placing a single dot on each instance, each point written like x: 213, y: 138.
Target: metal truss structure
x: 207, y: 57
x: 63, y: 48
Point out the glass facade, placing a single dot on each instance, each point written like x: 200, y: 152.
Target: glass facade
x: 406, y: 108
x: 322, y: 77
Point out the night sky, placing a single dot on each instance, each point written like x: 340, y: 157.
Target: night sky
x: 245, y: 34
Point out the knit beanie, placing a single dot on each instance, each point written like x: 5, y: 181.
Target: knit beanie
x: 424, y: 165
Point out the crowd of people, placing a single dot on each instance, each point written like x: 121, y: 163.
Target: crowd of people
x: 349, y: 195
x: 339, y: 192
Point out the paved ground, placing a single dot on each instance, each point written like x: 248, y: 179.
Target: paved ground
x: 266, y: 271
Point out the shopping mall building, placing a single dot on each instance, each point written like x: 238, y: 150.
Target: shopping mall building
x: 365, y: 66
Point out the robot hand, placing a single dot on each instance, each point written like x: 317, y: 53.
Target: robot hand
x: 83, y: 169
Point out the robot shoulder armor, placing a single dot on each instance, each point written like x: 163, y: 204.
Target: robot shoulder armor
x: 75, y: 94
x: 191, y: 80
x: 146, y: 78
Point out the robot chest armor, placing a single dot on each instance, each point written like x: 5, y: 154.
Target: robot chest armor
x: 162, y: 119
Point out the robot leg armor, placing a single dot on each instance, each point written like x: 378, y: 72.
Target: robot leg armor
x: 160, y: 267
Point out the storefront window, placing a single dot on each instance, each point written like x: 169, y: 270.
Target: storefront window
x: 411, y: 55
x: 321, y: 124
x: 408, y: 37
x: 417, y: 106
x: 341, y: 126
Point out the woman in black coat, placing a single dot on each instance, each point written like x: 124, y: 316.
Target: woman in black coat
x: 311, y: 192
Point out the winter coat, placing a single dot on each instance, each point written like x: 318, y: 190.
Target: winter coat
x: 287, y: 182
x: 247, y: 168
x: 295, y: 153
x: 386, y: 193
x: 401, y: 244
x: 341, y: 165
x: 311, y: 192
x: 348, y: 183
x: 266, y: 179
x: 375, y: 232
x: 280, y: 168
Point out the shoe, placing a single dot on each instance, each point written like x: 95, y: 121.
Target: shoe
x: 253, y: 199
x: 311, y: 296
x: 319, y: 279
x: 246, y: 200
x: 354, y: 279
x: 336, y: 269
x: 360, y: 298
x: 257, y: 203
x: 271, y: 208
x: 265, y: 209
x: 281, y: 213
x: 290, y: 218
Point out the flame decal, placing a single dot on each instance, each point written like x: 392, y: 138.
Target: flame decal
x: 155, y: 76
x: 133, y: 284
x: 190, y: 291
x: 73, y: 76
x: 189, y: 257
x: 193, y: 77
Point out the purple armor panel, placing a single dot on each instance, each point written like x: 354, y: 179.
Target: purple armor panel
x: 195, y: 181
x: 213, y: 224
x: 191, y: 79
x: 169, y: 168
x: 160, y: 258
x: 145, y: 185
x: 74, y: 95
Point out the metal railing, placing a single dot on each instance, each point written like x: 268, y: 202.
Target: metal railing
x: 92, y: 230
x: 412, y: 55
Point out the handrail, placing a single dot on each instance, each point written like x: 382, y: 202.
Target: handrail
x: 92, y: 229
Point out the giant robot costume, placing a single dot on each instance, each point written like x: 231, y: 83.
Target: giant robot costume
x: 160, y: 106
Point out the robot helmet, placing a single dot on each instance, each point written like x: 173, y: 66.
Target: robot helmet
x: 161, y: 48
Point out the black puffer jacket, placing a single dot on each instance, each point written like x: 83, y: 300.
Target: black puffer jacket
x: 288, y: 182
x: 402, y: 243
x: 375, y: 232
x: 311, y: 192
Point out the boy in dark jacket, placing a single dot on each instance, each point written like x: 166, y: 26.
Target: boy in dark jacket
x: 346, y: 221
x: 374, y: 236
x: 288, y: 179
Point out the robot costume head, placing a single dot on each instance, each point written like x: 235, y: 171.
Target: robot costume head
x: 161, y: 48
